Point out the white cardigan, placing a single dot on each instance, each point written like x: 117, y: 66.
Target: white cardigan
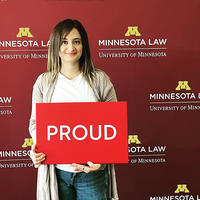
x: 43, y: 88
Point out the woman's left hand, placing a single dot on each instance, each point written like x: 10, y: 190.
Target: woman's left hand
x: 83, y: 168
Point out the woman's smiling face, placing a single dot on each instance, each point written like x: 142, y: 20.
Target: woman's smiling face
x: 71, y: 48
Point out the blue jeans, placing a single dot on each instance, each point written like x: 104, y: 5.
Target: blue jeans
x: 82, y: 186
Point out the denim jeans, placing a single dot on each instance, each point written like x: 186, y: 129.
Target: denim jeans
x: 82, y: 186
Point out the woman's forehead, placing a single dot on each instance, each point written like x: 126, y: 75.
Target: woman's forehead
x: 72, y: 34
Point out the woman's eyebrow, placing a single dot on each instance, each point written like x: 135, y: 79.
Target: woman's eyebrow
x: 72, y: 39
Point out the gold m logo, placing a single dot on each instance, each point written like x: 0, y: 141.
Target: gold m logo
x: 27, y: 142
x: 183, y: 85
x: 132, y: 30
x: 133, y: 139
x: 24, y: 32
x: 182, y: 188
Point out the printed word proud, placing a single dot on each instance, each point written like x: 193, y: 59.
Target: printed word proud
x: 65, y: 132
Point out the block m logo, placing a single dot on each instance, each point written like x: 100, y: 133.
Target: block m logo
x: 132, y: 30
x: 27, y: 142
x: 24, y: 32
x: 182, y: 188
x: 183, y: 85
x: 133, y: 139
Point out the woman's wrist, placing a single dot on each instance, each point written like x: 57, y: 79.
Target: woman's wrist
x: 102, y: 167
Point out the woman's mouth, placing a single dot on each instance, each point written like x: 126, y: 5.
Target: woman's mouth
x: 70, y: 54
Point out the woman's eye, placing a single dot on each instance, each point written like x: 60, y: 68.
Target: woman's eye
x: 77, y: 42
x: 64, y: 42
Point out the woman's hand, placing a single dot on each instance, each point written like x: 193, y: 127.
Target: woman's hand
x: 37, y: 158
x: 90, y: 168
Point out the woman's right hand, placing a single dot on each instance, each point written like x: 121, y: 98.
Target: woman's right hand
x: 37, y: 158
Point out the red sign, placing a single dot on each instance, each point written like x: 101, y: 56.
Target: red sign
x: 81, y: 132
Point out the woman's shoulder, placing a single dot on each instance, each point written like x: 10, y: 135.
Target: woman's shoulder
x: 43, y: 79
x: 100, y: 74
x: 46, y: 76
x: 104, y: 86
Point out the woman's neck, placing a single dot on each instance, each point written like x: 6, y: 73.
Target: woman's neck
x: 70, y: 70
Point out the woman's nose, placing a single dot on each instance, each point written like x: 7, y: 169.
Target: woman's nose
x: 70, y: 46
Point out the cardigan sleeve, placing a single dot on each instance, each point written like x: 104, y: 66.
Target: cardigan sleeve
x: 108, y: 93
x: 37, y: 97
x: 104, y: 86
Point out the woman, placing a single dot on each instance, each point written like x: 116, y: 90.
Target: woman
x: 71, y: 77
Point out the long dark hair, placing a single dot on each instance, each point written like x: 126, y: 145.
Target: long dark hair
x: 60, y: 31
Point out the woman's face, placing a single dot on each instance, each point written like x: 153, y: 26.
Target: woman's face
x: 71, y: 47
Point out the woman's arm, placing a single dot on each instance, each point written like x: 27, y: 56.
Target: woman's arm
x: 103, y: 87
x: 37, y: 97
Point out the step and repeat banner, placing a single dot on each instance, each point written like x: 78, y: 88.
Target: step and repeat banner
x: 150, y: 50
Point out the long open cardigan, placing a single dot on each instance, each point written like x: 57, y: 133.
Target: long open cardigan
x: 47, y: 188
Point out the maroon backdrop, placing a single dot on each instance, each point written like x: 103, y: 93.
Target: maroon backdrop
x: 154, y: 66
